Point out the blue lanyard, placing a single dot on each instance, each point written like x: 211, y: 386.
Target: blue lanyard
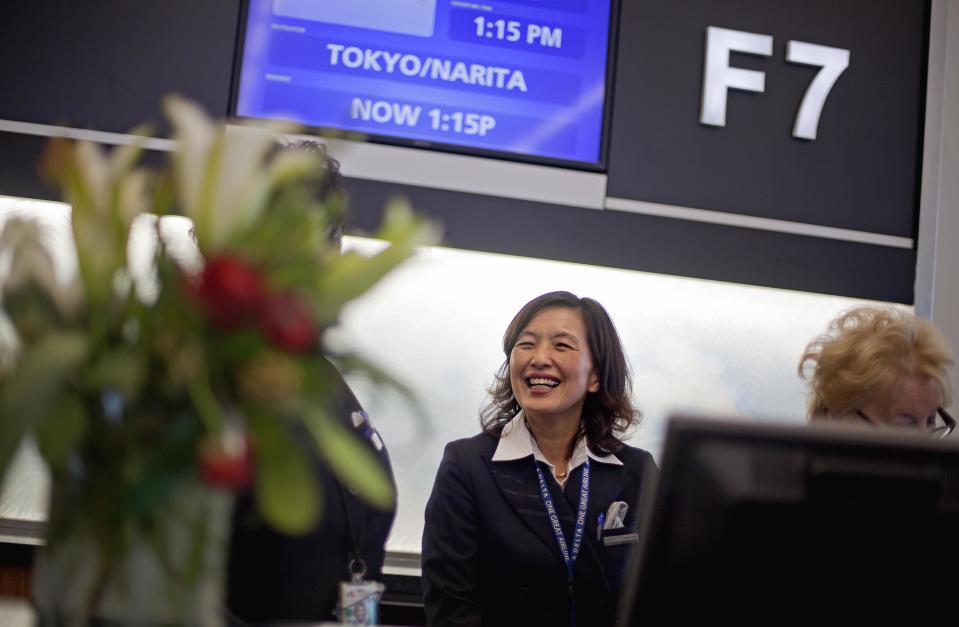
x: 578, y: 531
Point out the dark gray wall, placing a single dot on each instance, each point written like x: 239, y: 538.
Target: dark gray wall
x: 105, y: 64
x: 860, y: 173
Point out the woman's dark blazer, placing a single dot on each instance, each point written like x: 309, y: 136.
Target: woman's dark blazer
x: 490, y: 556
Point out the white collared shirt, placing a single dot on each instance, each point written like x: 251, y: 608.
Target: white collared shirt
x: 516, y: 442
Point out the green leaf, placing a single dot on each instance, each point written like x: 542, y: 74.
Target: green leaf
x: 236, y: 347
x: 287, y: 492
x: 355, y: 464
x: 165, y: 466
x: 31, y: 311
x: 61, y: 432
x: 123, y: 370
x: 11, y: 434
x: 164, y: 193
x: 206, y: 404
x: 33, y: 389
x: 352, y: 275
x: 351, y: 362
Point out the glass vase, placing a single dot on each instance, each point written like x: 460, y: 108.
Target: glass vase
x: 166, y: 568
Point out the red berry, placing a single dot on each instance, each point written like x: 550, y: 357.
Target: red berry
x: 227, y: 461
x: 287, y: 322
x: 229, y: 290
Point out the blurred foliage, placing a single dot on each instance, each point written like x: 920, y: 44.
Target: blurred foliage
x: 221, y: 371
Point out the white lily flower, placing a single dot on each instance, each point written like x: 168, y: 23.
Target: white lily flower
x: 124, y: 157
x: 195, y: 135
x: 27, y: 260
x: 141, y: 251
x: 146, y: 233
x: 220, y: 179
x: 10, y: 346
x: 241, y: 187
x: 133, y: 196
x: 94, y: 171
x: 180, y: 243
x: 291, y: 165
x: 104, y: 198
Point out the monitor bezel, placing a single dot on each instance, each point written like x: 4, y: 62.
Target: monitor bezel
x: 687, y: 431
x: 417, y: 144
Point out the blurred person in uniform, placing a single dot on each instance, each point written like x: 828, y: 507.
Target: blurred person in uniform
x: 276, y: 577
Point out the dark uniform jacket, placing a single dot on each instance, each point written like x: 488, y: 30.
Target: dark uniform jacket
x: 273, y: 577
x: 490, y: 555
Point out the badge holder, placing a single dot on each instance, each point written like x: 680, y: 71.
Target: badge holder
x: 359, y: 602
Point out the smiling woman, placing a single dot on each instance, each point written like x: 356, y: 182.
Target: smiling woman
x: 501, y: 541
x: 551, y: 371
x: 581, y: 329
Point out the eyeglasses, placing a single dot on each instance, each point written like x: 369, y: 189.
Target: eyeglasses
x: 943, y: 424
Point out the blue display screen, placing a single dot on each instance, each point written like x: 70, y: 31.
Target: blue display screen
x: 525, y: 77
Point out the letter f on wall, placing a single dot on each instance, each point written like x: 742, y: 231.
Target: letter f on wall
x: 718, y: 77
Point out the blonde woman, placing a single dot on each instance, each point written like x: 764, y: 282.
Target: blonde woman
x: 883, y: 366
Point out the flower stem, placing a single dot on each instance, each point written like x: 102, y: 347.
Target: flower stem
x: 104, y: 566
x: 205, y: 403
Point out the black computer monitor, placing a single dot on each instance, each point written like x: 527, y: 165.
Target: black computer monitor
x: 757, y: 523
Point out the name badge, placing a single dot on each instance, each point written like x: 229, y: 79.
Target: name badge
x: 623, y: 538
x: 359, y: 599
x: 360, y: 602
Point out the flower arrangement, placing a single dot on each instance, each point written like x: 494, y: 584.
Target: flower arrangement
x: 131, y: 394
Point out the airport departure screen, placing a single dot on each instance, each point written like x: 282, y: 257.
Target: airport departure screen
x: 524, y: 77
